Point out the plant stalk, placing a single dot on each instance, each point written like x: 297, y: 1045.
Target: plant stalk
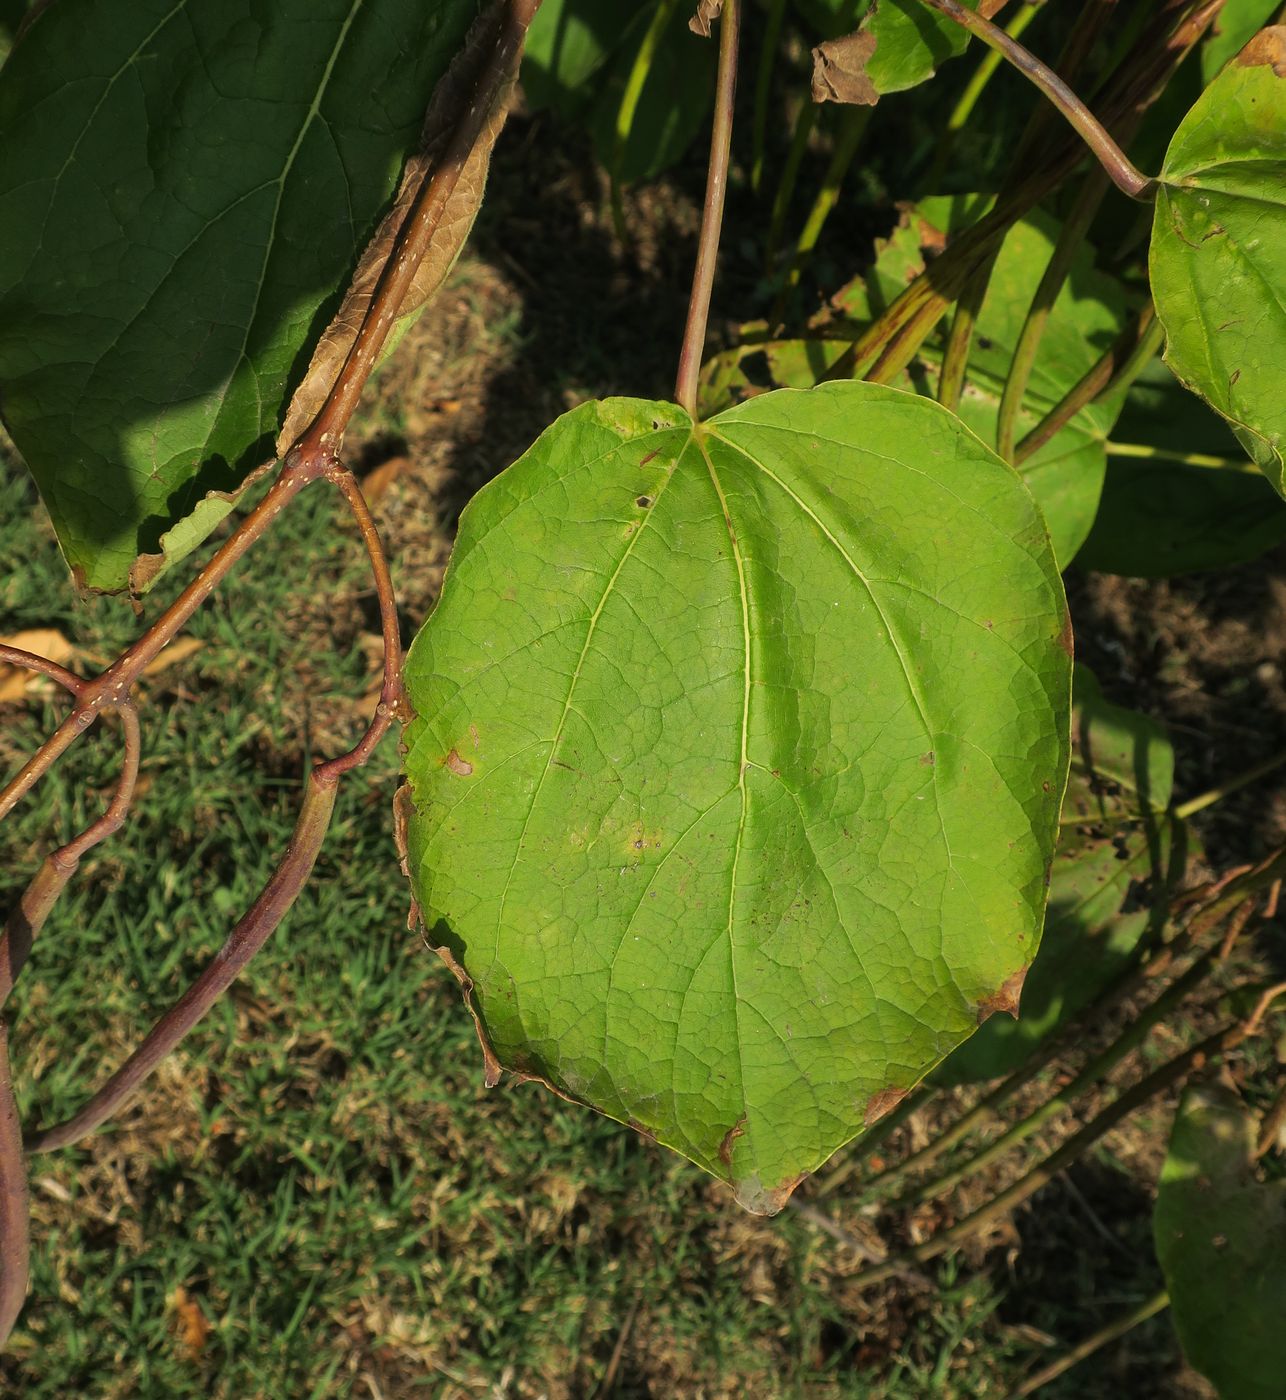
x: 37, y: 901
x: 1169, y: 1075
x: 1118, y: 166
x: 1119, y: 367
x: 1105, y: 1335
x: 15, y: 1229
x: 1097, y: 1068
x: 250, y: 934
x: 694, y: 334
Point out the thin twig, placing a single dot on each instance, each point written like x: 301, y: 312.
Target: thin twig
x: 390, y: 705
x: 30, y: 661
x: 250, y: 934
x: 694, y: 333
x: 37, y: 901
x: 1118, y: 367
x: 1120, y: 169
x: 1272, y: 1124
x: 1170, y: 1074
x: 1117, y: 1328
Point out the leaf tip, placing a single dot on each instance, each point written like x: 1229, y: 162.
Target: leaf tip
x: 752, y: 1195
x: 1005, y: 998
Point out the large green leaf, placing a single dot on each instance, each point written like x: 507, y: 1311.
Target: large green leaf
x: 738, y: 764
x: 1221, y: 1238
x: 1160, y: 517
x: 185, y: 186
x: 1119, y: 856
x: 1066, y: 475
x: 1218, y: 256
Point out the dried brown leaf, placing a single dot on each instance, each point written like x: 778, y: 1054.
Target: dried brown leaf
x: 707, y: 12
x: 42, y: 641
x: 450, y: 100
x: 839, y: 70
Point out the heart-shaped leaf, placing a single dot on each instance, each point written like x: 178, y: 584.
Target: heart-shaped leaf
x: 1218, y: 256
x: 185, y: 189
x: 1120, y: 854
x: 1220, y: 1236
x: 736, y: 777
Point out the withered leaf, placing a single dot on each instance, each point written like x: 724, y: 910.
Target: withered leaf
x: 839, y: 70
x: 707, y: 12
x: 450, y: 101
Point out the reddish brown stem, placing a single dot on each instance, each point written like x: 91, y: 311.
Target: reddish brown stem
x: 416, y: 233
x: 29, y: 661
x: 390, y: 704
x: 250, y: 934
x: 694, y: 333
x: 14, y: 1228
x: 1119, y: 366
x: 1111, y: 157
x: 40, y: 896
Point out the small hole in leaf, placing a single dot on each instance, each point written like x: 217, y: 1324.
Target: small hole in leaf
x: 643, y: 502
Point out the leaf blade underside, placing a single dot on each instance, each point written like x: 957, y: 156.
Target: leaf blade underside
x: 724, y: 843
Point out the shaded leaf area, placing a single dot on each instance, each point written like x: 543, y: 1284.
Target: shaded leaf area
x: 1220, y: 1237
x: 1233, y: 28
x: 1160, y: 517
x: 579, y: 60
x: 1066, y: 475
x: 1218, y: 257
x: 896, y: 44
x: 738, y: 763
x: 1120, y: 856
x: 159, y: 295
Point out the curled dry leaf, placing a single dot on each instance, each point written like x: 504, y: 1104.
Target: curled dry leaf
x: 450, y: 100
x: 839, y: 70
x: 707, y: 12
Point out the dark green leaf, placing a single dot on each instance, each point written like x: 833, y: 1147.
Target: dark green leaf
x: 675, y: 103
x: 568, y: 43
x: 185, y: 187
x: 739, y: 760
x: 1161, y: 517
x: 1221, y: 1237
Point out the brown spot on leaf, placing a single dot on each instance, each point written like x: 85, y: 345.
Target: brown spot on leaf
x: 491, y: 1066
x: 1266, y: 50
x: 881, y: 1103
x: 725, y: 1147
x: 461, y: 767
x: 1066, y: 638
x: 1005, y: 998
x: 839, y: 70
x: 927, y: 760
